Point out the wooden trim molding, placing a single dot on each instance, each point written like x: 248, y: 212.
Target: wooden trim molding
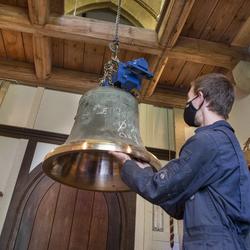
x: 57, y: 138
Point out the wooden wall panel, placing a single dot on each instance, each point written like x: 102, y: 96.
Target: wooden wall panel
x: 13, y: 42
x: 29, y: 214
x: 115, y: 219
x: 99, y: 223
x: 73, y: 55
x: 93, y: 58
x: 63, y: 219
x: 28, y: 47
x: 3, y: 53
x: 57, y: 52
x: 44, y: 219
x: 80, y: 228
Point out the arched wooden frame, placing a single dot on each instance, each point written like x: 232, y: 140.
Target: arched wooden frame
x: 149, y: 19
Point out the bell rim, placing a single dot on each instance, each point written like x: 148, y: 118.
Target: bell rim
x: 104, y: 145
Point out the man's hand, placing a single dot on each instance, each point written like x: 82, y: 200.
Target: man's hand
x: 122, y: 158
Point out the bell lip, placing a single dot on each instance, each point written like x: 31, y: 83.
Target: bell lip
x: 104, y: 145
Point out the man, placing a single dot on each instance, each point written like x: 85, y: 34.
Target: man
x: 209, y: 184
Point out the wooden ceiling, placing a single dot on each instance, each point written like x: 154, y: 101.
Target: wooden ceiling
x: 40, y: 46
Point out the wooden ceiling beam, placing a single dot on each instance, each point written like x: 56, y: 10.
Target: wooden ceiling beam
x: 169, y: 29
x: 15, y: 18
x: 169, y: 99
x: 173, y: 20
x: 75, y: 82
x: 100, y: 32
x: 42, y: 49
x: 206, y: 52
x: 81, y: 29
x: 60, y: 79
x: 39, y: 11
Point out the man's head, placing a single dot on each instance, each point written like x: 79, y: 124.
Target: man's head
x: 212, y: 95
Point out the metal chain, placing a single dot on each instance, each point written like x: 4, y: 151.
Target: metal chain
x: 117, y: 22
x: 112, y: 65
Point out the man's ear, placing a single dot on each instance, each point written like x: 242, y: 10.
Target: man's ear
x: 201, y: 96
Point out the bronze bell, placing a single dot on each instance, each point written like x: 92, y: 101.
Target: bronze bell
x: 106, y: 120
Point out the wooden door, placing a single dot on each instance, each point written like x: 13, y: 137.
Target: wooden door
x: 44, y: 214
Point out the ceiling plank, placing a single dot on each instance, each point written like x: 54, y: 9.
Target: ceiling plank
x: 206, y: 52
x: 13, y: 43
x: 169, y: 30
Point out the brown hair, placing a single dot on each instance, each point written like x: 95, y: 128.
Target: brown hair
x: 218, y: 91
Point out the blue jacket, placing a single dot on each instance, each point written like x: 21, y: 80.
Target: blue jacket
x: 208, y: 186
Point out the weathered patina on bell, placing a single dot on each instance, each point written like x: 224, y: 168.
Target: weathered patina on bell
x: 106, y: 120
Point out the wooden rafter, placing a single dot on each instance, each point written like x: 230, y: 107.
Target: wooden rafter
x: 169, y: 30
x: 42, y: 56
x: 60, y: 79
x: 38, y: 15
x: 206, y: 52
x: 75, y: 82
x: 38, y: 11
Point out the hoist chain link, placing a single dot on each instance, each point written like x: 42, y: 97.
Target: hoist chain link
x: 111, y: 66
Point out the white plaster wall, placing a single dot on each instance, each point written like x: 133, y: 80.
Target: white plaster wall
x: 16, y: 107
x: 11, y: 155
x: 240, y: 118
x: 57, y: 111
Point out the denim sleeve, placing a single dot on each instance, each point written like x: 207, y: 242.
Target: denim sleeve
x: 171, y: 186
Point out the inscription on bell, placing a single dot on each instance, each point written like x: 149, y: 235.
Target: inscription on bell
x: 108, y: 113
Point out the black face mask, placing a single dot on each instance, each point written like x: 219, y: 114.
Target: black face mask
x: 190, y: 112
